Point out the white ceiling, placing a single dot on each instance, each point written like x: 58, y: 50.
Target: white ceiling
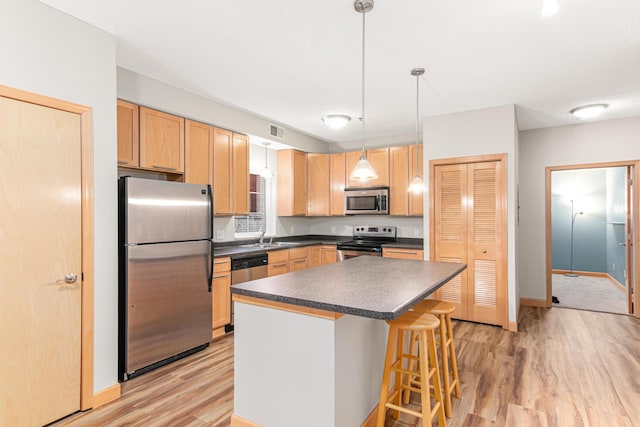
x: 294, y: 61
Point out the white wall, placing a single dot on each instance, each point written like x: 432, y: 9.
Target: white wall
x: 603, y: 141
x: 49, y: 53
x: 152, y: 93
x: 474, y: 133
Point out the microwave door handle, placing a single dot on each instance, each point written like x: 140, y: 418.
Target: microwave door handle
x: 377, y: 207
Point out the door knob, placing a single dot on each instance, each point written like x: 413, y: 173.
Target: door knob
x: 70, y: 278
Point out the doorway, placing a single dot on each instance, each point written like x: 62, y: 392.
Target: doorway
x: 46, y: 243
x: 590, y: 223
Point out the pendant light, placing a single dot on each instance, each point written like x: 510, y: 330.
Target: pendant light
x: 266, y: 172
x: 417, y: 184
x: 363, y: 171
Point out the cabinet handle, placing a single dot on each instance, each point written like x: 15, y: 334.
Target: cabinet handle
x: 122, y: 162
x: 280, y: 265
x: 220, y: 276
x: 164, y: 167
x: 298, y: 261
x: 222, y: 262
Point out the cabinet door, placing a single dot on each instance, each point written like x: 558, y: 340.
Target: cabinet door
x: 221, y: 300
x: 329, y: 254
x: 278, y: 268
x: 161, y: 141
x: 319, y: 184
x: 399, y: 180
x: 292, y: 183
x: 450, y: 231
x: 128, y: 134
x: 416, y: 201
x: 240, y: 174
x: 198, y: 167
x: 379, y: 159
x: 315, y: 256
x: 222, y: 152
x: 402, y: 253
x: 298, y: 264
x: 351, y: 158
x: 337, y: 180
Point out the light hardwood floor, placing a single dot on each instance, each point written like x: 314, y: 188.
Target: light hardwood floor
x: 563, y: 368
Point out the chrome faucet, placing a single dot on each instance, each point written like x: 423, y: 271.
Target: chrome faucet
x: 262, y: 231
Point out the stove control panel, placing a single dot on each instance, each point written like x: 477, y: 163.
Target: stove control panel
x: 374, y: 231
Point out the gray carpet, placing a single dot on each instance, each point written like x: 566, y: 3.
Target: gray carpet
x: 589, y: 293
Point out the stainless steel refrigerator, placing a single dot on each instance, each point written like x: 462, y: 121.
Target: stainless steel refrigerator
x: 165, y: 272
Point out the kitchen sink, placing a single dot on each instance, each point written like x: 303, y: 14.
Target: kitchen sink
x: 271, y: 245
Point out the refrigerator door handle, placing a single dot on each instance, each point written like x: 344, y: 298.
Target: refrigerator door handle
x: 210, y: 266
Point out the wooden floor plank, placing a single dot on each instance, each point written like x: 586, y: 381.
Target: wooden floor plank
x: 563, y: 368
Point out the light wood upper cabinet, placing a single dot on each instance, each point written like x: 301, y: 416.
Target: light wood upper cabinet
x: 222, y: 153
x: 379, y: 159
x: 161, y: 141
x: 337, y: 181
x: 240, y: 174
x: 399, y: 180
x: 416, y: 201
x: 230, y: 173
x: 292, y: 183
x: 319, y: 184
x: 198, y: 168
x: 128, y: 134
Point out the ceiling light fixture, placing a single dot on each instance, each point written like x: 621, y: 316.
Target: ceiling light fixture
x: 336, y: 121
x: 589, y: 111
x: 266, y: 172
x: 363, y: 171
x: 549, y: 7
x: 417, y: 184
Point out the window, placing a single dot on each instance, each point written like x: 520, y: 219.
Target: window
x: 256, y: 220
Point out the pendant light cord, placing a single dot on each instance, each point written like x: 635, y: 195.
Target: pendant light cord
x: 363, y: 122
x: 417, y: 119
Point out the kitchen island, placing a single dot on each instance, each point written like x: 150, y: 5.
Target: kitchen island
x: 310, y: 345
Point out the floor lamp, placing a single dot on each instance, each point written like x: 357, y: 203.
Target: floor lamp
x: 573, y: 221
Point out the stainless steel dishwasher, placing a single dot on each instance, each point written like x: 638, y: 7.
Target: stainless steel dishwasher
x: 246, y: 268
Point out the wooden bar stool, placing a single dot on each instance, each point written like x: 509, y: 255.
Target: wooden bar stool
x: 423, y: 325
x: 443, y: 310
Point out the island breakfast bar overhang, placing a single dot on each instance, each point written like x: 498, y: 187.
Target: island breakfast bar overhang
x: 309, y: 346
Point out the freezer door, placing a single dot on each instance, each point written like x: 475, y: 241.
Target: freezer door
x: 168, y: 301
x: 164, y: 211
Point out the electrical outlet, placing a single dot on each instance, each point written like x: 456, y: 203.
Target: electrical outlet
x: 333, y: 230
x: 625, y: 273
x: 614, y: 266
x: 220, y: 235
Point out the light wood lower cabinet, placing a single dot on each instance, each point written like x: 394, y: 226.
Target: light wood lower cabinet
x: 298, y: 259
x: 329, y: 254
x: 221, y: 296
x: 403, y: 253
x: 315, y: 256
x: 278, y: 262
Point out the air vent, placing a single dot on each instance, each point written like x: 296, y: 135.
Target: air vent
x: 276, y: 131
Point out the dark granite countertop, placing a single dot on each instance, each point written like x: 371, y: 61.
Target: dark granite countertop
x: 373, y: 287
x: 247, y: 247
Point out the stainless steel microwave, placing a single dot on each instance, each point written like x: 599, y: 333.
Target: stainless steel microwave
x: 366, y: 201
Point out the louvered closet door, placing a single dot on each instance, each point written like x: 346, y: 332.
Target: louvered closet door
x: 484, y: 256
x: 450, y: 220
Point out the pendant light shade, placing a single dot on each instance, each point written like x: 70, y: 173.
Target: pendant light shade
x: 417, y: 184
x: 266, y: 172
x: 363, y: 171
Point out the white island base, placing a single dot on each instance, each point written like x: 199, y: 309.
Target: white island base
x: 305, y: 367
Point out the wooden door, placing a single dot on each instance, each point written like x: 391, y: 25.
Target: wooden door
x: 40, y: 243
x: 450, y: 231
x: 416, y: 201
x: 240, y: 174
x: 319, y: 184
x: 469, y: 226
x: 399, y: 180
x: 128, y: 134
x: 198, y: 153
x: 161, y: 141
x: 337, y: 172
x: 222, y: 152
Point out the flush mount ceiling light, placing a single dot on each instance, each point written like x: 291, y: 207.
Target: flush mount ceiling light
x: 417, y: 184
x: 549, y: 7
x: 336, y: 121
x: 363, y: 171
x: 589, y: 111
x: 266, y: 172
